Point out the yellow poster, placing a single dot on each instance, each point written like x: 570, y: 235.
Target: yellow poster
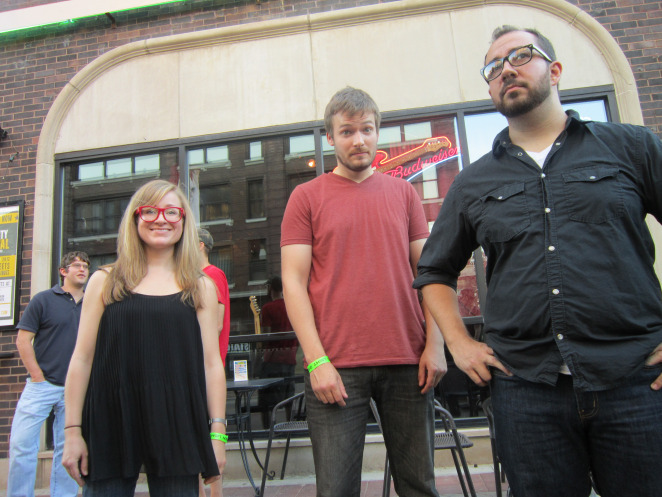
x: 7, y: 266
x: 10, y: 241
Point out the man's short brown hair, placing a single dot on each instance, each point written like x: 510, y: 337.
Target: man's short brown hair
x: 544, y: 44
x: 205, y: 237
x: 351, y: 101
x: 70, y: 257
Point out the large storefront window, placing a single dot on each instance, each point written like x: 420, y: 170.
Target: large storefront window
x: 427, y: 154
x: 483, y: 127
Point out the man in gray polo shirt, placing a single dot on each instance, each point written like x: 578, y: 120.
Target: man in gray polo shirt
x: 46, y: 339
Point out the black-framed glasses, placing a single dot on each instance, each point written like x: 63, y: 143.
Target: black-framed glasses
x: 517, y: 57
x: 149, y: 213
x: 79, y: 265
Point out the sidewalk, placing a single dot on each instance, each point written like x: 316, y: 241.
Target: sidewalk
x: 447, y: 484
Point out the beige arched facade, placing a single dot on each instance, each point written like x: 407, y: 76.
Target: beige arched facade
x: 284, y: 71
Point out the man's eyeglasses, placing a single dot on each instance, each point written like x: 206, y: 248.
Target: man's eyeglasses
x: 517, y: 57
x: 79, y: 265
x: 149, y: 213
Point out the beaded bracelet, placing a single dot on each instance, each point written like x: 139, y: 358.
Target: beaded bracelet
x: 219, y: 436
x: 315, y: 364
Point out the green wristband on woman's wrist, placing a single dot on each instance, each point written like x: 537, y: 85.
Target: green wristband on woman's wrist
x: 219, y: 436
x: 315, y: 364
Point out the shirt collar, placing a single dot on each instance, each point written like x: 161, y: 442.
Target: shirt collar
x: 502, y: 140
x: 58, y: 289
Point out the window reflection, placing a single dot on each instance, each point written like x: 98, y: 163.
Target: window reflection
x: 257, y: 266
x: 302, y: 145
x: 221, y: 257
x: 146, y: 164
x: 214, y: 202
x: 256, y: 199
x: 118, y: 167
x: 255, y: 150
x: 91, y: 171
x: 217, y: 154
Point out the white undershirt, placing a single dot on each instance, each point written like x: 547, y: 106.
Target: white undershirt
x: 540, y: 157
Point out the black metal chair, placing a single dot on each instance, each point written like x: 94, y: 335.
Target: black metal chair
x: 296, y: 424
x: 448, y: 439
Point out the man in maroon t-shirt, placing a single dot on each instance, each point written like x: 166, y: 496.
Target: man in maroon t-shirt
x: 350, y: 241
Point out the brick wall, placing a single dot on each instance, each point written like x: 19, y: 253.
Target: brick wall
x: 637, y: 27
x: 36, y: 64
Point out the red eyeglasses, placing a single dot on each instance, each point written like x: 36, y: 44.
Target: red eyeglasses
x: 149, y: 213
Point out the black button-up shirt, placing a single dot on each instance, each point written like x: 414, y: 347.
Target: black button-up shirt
x: 569, y: 255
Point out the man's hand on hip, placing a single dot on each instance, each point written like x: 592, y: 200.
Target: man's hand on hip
x: 475, y: 359
x: 656, y: 358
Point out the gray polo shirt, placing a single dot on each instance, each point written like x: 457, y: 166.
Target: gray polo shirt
x: 53, y: 315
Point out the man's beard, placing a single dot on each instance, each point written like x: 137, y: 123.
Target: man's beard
x: 357, y: 168
x: 515, y: 108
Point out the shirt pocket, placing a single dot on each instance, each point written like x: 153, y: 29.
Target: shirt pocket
x: 594, y: 194
x: 504, y: 212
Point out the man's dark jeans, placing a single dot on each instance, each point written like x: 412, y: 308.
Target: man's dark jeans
x: 338, y: 433
x: 551, y: 439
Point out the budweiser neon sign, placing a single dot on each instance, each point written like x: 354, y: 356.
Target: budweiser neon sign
x: 396, y: 166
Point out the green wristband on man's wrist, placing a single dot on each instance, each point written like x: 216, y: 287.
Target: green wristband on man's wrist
x: 219, y: 436
x: 318, y: 362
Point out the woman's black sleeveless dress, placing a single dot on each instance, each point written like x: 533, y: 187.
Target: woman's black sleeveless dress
x: 146, y: 402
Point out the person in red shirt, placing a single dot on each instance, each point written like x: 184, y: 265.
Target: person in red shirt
x: 223, y: 291
x: 206, y: 244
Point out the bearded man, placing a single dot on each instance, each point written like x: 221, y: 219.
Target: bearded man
x: 573, y: 318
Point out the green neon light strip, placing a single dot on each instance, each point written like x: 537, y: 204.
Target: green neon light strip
x: 9, y: 29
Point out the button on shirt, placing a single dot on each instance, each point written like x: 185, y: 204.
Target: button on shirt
x: 569, y: 255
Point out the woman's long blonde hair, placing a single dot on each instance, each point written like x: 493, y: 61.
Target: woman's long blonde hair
x: 131, y: 264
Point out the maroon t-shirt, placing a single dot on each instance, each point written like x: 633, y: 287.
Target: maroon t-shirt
x: 366, y: 311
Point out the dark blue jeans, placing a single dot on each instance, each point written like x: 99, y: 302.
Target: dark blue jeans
x: 338, y: 433
x: 551, y: 439
x: 159, y: 486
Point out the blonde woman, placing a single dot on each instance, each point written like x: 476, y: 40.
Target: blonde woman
x: 146, y: 377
